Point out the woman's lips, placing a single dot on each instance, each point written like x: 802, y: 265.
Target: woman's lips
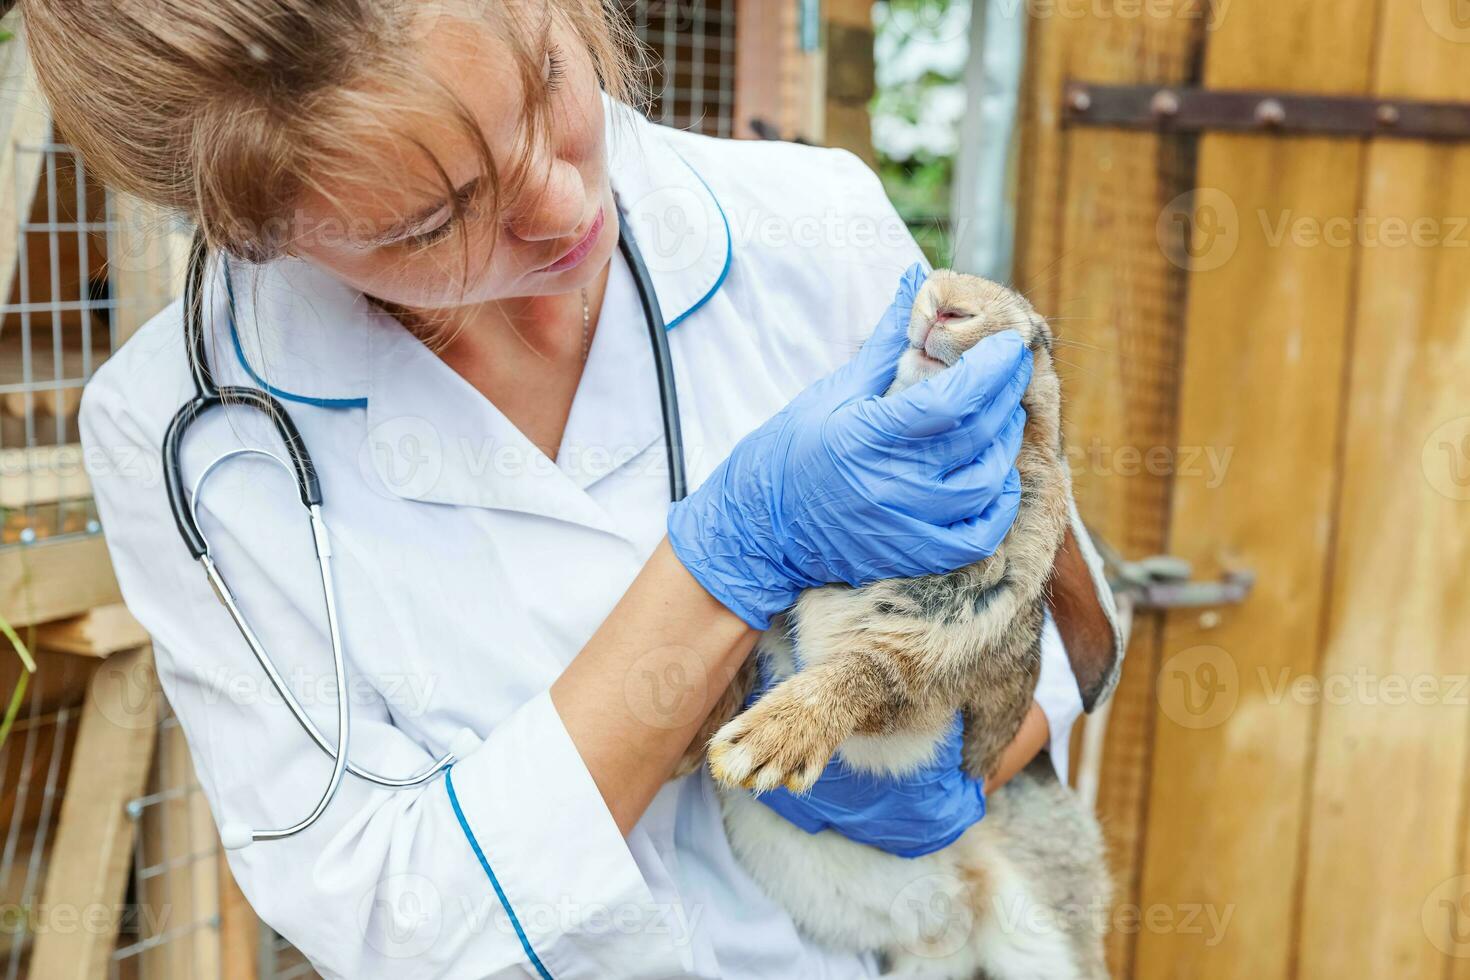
x: 579, y: 251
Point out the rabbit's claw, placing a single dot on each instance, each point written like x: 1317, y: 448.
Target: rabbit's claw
x: 779, y: 741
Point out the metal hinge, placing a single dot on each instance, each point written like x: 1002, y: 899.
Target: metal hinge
x: 1191, y: 110
x: 1163, y: 582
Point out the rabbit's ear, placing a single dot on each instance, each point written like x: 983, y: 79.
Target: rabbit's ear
x: 1086, y: 616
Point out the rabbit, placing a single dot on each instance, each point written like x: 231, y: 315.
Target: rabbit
x: 883, y: 670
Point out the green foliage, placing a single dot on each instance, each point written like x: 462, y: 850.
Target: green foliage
x: 920, y: 47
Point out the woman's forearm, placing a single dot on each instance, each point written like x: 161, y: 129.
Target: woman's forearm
x: 1028, y: 742
x: 640, y: 690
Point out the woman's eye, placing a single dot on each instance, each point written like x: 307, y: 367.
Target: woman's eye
x: 556, y: 68
x: 433, y: 236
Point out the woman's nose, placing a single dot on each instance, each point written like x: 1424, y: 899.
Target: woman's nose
x: 552, y: 208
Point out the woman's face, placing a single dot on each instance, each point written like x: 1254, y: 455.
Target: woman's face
x: 396, y: 239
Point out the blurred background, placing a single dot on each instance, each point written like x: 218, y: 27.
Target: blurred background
x: 1250, y: 223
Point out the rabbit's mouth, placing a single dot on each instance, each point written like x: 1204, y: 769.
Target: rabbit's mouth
x: 924, y: 357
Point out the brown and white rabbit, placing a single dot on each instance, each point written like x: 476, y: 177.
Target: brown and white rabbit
x: 884, y: 668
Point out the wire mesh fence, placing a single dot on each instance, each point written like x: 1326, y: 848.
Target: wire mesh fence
x: 33, y: 763
x: 693, y: 53
x: 56, y: 326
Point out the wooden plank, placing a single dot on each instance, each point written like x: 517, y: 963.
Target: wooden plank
x: 181, y: 893
x: 42, y: 475
x: 1267, y: 324
x: 98, y: 632
x: 1089, y: 255
x: 54, y: 580
x: 88, y: 872
x: 849, y: 77
x: 1385, y: 889
x: 239, y: 930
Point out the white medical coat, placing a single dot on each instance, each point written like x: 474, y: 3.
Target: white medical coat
x: 470, y: 571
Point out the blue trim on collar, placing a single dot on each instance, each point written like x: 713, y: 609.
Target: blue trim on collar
x: 729, y: 251
x: 341, y: 403
x: 272, y: 389
x: 469, y: 834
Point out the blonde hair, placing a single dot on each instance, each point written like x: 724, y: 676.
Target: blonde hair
x: 226, y: 111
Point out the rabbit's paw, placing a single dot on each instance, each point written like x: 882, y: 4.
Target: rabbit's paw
x: 779, y: 741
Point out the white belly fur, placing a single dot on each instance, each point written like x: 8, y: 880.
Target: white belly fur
x: 943, y: 916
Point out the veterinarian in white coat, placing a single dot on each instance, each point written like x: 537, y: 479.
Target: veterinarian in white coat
x: 471, y: 569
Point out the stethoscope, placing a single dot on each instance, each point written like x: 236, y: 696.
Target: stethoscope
x: 208, y: 395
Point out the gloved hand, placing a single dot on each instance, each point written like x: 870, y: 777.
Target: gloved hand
x: 844, y: 485
x: 909, y: 816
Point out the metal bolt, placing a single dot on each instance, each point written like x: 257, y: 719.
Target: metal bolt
x: 1209, y: 620
x: 1164, y: 103
x: 1079, y: 100
x: 1270, y: 113
x: 93, y: 527
x: 1388, y: 115
x: 27, y: 535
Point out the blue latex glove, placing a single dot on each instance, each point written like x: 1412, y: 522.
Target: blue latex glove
x: 844, y: 485
x: 910, y: 816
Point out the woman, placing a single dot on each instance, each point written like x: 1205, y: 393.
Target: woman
x: 414, y: 212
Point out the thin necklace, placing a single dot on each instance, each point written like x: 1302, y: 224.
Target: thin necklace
x: 586, y: 327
